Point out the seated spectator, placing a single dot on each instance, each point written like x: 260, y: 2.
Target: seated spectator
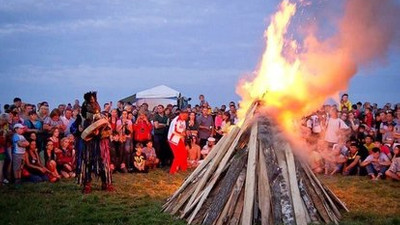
x: 394, y: 170
x: 351, y: 166
x: 225, y: 125
x: 193, y: 152
x: 50, y: 162
x: 376, y: 163
x: 36, y: 172
x: 316, y: 161
x: 369, y: 143
x: 65, y: 159
x: 139, y: 160
x: 383, y: 148
x: 338, y: 160
x: 208, y: 147
x: 151, y: 157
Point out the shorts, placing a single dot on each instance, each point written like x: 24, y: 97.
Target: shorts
x: 17, y: 160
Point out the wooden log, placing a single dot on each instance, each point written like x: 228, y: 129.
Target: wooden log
x: 238, y: 210
x: 299, y: 210
x: 327, y: 198
x: 251, y: 181
x: 230, y: 205
x: 309, y: 205
x: 337, y: 201
x: 221, y: 167
x: 200, y: 168
x: 318, y: 198
x: 213, y: 165
x: 227, y: 183
x: 288, y: 214
x: 264, y: 195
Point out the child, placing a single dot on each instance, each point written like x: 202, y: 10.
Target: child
x: 376, y: 163
x: 193, y: 152
x: 394, y: 170
x: 65, y: 159
x: 19, y: 143
x: 151, y: 157
x: 208, y: 147
x: 139, y: 159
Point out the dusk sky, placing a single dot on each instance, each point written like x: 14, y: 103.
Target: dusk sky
x: 58, y: 50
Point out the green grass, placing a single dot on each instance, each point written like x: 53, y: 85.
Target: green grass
x: 139, y: 197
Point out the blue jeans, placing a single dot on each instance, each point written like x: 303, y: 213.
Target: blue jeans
x: 372, y: 171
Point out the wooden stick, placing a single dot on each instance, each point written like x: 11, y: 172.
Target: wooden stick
x: 238, y: 210
x: 227, y: 184
x: 264, y: 194
x: 230, y: 205
x: 300, y: 212
x: 225, y: 152
x: 250, y: 187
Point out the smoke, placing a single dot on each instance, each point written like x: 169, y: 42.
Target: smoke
x: 365, y: 34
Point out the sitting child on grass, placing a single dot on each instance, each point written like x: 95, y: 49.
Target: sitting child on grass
x: 394, y: 170
x: 193, y: 152
x: 139, y: 159
x: 376, y: 163
x: 65, y: 159
x: 151, y: 157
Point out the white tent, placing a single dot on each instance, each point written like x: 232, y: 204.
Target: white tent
x: 157, y: 95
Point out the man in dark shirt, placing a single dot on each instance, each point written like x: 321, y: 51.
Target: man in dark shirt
x: 206, y: 126
x: 160, y: 123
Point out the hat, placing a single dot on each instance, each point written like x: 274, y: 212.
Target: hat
x: 211, y: 139
x: 18, y: 125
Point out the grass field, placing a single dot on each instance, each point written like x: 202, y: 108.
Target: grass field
x: 139, y: 197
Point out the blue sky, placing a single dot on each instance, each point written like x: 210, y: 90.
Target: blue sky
x: 58, y: 50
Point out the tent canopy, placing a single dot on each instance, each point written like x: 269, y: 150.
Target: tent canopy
x: 160, y: 91
x: 161, y: 94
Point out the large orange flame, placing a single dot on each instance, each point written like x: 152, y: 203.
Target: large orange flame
x: 278, y: 82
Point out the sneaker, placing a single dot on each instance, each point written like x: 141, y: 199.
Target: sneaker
x: 5, y: 181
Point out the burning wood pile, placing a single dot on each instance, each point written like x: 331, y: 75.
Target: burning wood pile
x: 252, y: 177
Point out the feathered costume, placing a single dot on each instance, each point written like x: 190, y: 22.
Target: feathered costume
x: 92, y: 145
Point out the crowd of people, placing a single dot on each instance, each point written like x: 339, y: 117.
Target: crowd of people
x: 355, y: 139
x: 41, y: 145
x: 38, y: 145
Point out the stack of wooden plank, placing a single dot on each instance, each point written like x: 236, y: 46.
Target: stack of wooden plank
x: 252, y: 177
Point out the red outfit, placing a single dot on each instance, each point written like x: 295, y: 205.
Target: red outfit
x: 178, y: 147
x: 369, y: 119
x: 142, y: 131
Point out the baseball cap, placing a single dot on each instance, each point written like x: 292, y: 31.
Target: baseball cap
x: 18, y: 125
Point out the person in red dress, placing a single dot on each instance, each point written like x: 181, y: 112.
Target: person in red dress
x: 176, y: 139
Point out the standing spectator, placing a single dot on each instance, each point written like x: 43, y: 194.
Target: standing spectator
x: 124, y: 127
x: 25, y: 114
x: 120, y: 108
x: 3, y: 147
x: 206, y: 123
x: 225, y: 125
x: 18, y: 105
x: 353, y: 123
x: 192, y: 125
x: 142, y: 129
x: 376, y: 163
x: 368, y: 118
x: 66, y: 118
x: 202, y: 100
x: 160, y: 136
x: 43, y: 111
x: 19, y: 145
x: 345, y: 102
x: 176, y: 138
x: 335, y: 129
x: 54, y: 121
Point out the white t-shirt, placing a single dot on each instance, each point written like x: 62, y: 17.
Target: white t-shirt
x: 382, y: 158
x: 332, y: 129
x: 314, y: 124
x: 176, y: 126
